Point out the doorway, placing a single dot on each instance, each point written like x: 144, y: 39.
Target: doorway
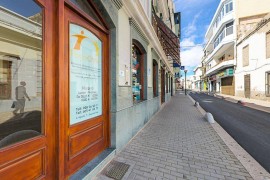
x: 247, y: 85
x: 84, y: 91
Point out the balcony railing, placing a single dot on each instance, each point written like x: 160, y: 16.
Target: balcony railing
x: 168, y: 40
x: 228, y: 30
x: 221, y: 63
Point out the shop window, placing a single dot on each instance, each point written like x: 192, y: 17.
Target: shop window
x: 20, y: 70
x: 245, y: 55
x: 137, y: 73
x: 268, y: 45
x: 267, y: 83
x: 155, y: 78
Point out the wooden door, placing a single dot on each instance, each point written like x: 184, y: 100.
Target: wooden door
x: 228, y: 86
x: 247, y: 85
x: 84, y: 91
x: 28, y: 149
x: 162, y: 85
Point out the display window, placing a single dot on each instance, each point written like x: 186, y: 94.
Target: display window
x: 155, y: 78
x: 137, y: 74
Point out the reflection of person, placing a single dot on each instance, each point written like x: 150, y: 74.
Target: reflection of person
x: 20, y: 92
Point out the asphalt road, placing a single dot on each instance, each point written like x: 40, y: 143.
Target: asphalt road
x: 249, y: 127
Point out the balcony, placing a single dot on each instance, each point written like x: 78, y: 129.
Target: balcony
x: 227, y: 18
x: 168, y: 40
x: 226, y: 43
x: 221, y: 65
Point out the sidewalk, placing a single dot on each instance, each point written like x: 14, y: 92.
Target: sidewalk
x: 179, y: 144
x: 252, y: 103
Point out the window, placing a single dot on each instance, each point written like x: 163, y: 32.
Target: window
x: 229, y: 28
x: 5, y: 79
x: 20, y: 71
x: 155, y: 78
x: 229, y: 7
x: 137, y: 73
x: 267, y: 83
x: 246, y: 56
x: 268, y: 45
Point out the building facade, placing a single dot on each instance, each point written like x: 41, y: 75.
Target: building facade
x: 197, y: 79
x: 219, y: 59
x: 231, y: 20
x: 78, y: 79
x: 252, y: 74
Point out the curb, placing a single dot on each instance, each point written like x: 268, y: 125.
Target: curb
x: 256, y: 171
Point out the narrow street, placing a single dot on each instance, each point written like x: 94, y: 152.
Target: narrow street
x: 249, y: 127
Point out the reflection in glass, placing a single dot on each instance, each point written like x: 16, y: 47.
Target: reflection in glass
x: 136, y: 74
x: 85, y: 6
x: 20, y: 70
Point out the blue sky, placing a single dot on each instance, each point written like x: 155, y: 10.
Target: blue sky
x: 196, y: 16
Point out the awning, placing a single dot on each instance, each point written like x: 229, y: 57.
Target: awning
x: 168, y: 40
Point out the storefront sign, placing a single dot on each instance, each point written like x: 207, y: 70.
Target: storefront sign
x: 226, y: 73
x: 85, y: 74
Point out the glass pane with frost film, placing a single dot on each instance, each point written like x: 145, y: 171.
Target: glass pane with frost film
x: 85, y: 58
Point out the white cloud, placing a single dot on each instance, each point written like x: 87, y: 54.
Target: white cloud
x: 188, y: 42
x: 191, y: 28
x: 191, y: 56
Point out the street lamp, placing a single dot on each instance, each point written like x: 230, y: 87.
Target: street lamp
x: 185, y: 81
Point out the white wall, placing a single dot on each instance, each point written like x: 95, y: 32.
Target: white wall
x: 124, y: 49
x: 258, y: 65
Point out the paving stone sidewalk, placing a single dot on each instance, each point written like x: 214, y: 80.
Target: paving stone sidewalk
x: 179, y: 144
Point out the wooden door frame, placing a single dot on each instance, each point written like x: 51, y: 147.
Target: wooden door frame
x: 43, y: 146
x: 162, y: 85
x: 63, y: 85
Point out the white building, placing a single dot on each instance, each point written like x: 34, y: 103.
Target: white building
x: 231, y: 20
x: 252, y: 74
x: 220, y: 49
x: 197, y: 81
